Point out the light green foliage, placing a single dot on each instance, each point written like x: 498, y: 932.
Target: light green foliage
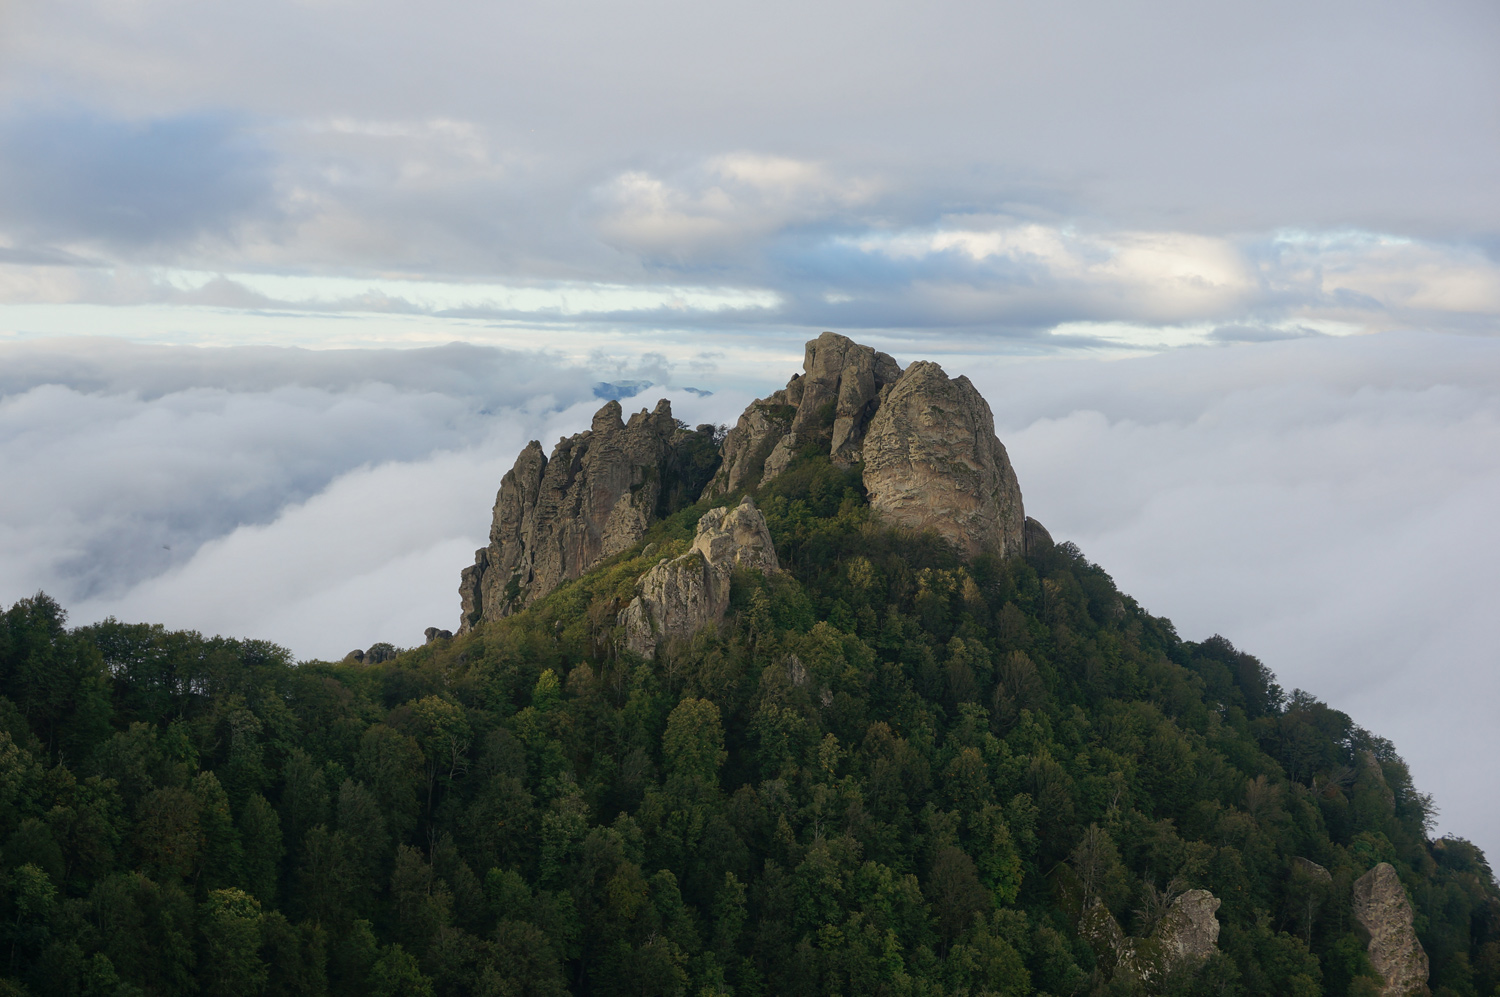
x: 230, y: 921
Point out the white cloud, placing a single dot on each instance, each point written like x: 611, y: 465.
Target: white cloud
x: 725, y: 202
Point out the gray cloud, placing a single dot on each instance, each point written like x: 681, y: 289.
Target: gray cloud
x: 627, y: 145
x: 134, y: 457
x: 81, y: 176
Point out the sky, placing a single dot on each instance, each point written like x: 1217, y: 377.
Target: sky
x: 285, y: 287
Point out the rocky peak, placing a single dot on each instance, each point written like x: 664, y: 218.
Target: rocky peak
x: 932, y: 461
x: 555, y: 517
x: 1384, y: 912
x: 680, y: 596
x: 830, y: 404
x: 927, y: 442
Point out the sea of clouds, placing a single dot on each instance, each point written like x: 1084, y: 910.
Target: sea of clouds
x: 1327, y: 504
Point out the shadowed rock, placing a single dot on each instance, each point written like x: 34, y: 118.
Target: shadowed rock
x: 1382, y: 909
x: 1034, y: 537
x: 555, y: 517
x: 681, y: 596
x: 1185, y: 936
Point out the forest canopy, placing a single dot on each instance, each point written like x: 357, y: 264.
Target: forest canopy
x: 889, y: 771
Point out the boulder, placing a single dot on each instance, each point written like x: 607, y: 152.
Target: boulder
x: 680, y: 596
x: 1187, y: 935
x: 1383, y: 911
x: 555, y: 517
x: 434, y: 634
x: 1190, y: 932
x: 932, y: 461
x: 1034, y: 537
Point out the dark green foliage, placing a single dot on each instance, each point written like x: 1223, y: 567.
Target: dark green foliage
x: 887, y: 772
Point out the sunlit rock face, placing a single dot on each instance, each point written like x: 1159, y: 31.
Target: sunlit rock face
x: 933, y: 462
x: 555, y: 517
x: 1384, y: 912
x: 680, y: 596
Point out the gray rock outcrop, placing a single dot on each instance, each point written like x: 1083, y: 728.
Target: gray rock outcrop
x: 829, y: 405
x: 680, y: 596
x: 555, y: 517
x: 1186, y: 935
x: 927, y: 442
x: 1382, y: 909
x: 932, y: 461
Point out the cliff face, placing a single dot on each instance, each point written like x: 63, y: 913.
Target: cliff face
x: 681, y: 596
x: 555, y: 517
x: 932, y: 461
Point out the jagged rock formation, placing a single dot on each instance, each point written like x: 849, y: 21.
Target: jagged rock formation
x: 926, y: 443
x: 680, y: 596
x: 555, y: 517
x: 1186, y: 935
x: 932, y: 461
x: 931, y: 458
x: 1382, y: 909
x: 831, y: 403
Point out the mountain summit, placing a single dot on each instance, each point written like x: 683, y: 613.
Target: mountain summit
x: 926, y: 444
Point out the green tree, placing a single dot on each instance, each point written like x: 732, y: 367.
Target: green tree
x: 396, y: 974
x: 260, y: 833
x: 230, y: 924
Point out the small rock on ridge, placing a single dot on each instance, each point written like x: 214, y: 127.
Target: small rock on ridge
x: 678, y: 597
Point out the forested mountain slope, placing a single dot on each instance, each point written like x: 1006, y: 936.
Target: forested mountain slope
x: 888, y: 771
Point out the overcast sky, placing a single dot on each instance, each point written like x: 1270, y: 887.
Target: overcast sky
x: 285, y: 286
